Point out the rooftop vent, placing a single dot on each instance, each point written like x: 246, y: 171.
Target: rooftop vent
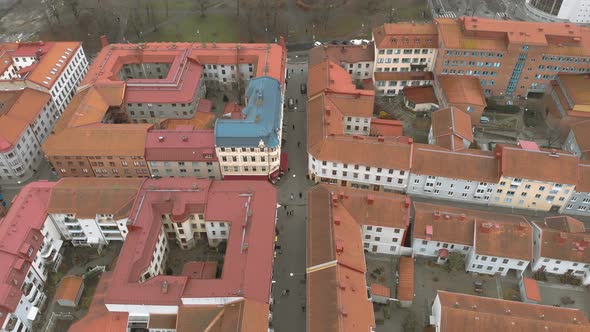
x: 370, y: 199
x: 184, y: 138
x: 161, y: 138
x: 436, y: 214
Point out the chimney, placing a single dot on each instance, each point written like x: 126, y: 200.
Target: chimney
x: 447, y: 216
x: 521, y: 226
x: 341, y: 195
x: 104, y: 41
x: 462, y: 216
x: 436, y: 215
x: 184, y: 138
x: 370, y: 199
x: 407, y: 202
x: 339, y: 246
x: 429, y: 232
x: 337, y: 220
x: 456, y: 305
x: 474, y: 307
x: 486, y: 227
x: 380, y: 139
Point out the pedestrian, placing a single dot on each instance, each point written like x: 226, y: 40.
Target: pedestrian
x: 303, y: 308
x: 293, y: 127
x: 291, y: 196
x: 288, y: 291
x: 285, y: 206
x: 298, y: 144
x: 297, y: 101
x: 300, y: 195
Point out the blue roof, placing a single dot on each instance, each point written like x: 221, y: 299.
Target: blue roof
x: 262, y: 117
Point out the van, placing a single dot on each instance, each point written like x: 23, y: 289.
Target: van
x: 303, y: 88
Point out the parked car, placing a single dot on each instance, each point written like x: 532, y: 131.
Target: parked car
x: 317, y: 43
x: 484, y: 119
x: 303, y: 88
x: 291, y: 103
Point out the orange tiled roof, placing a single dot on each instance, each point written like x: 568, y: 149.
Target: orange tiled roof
x: 335, y: 253
x: 18, y: 110
x: 423, y: 94
x: 531, y: 288
x: 575, y: 86
x: 69, y: 288
x: 461, y: 312
x: 49, y: 67
x: 564, y: 238
x: 405, y: 288
x: 470, y: 164
x: 461, y: 91
x: 87, y: 197
x: 380, y: 290
x: 581, y: 132
x: 406, y: 35
x: 504, y: 235
x: 450, y: 126
x: 342, y: 54
x: 102, y: 140
x: 449, y: 224
x: 240, y: 315
x: 558, y: 166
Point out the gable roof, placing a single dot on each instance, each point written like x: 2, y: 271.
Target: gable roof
x: 450, y: 126
x: 504, y: 235
x: 461, y: 312
x: 19, y: 109
x: 564, y: 238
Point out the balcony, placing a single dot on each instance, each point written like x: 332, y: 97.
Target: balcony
x: 27, y: 287
x: 71, y: 221
x: 33, y: 293
x: 12, y: 322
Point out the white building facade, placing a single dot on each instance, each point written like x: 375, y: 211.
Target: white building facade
x: 491, y: 265
x: 383, y: 240
x: 358, y: 176
x: 450, y: 188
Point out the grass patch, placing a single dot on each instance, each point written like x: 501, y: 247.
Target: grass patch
x: 212, y: 28
x: 341, y: 27
x: 412, y: 13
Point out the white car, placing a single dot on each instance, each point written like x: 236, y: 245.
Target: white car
x: 356, y: 42
x: 316, y: 44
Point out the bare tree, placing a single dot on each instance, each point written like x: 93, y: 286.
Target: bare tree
x: 203, y: 7
x: 553, y: 137
x: 325, y: 12
x: 52, y: 11
x: 74, y: 6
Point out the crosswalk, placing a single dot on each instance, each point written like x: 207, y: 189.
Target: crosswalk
x: 447, y: 15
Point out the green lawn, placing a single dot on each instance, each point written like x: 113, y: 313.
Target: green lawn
x: 218, y: 28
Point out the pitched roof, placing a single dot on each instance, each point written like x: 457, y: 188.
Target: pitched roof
x: 422, y: 94
x: 335, y: 253
x: 102, y: 140
x: 450, y: 126
x: 461, y: 312
x: 99, y: 318
x: 470, y: 164
x: 418, y: 35
x: 87, y: 197
x: 182, y: 144
x: 380, y: 290
x: 504, y: 235
x: 564, y: 238
x: 328, y: 76
x: 342, y: 53
x: 405, y: 287
x: 444, y: 223
x: 386, y: 127
x: 464, y: 91
x: 240, y: 315
x: 18, y: 110
x: 574, y: 86
x: 531, y: 288
x: 581, y: 131
x: 558, y: 166
x: 69, y: 288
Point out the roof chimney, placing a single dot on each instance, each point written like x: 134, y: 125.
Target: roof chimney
x: 447, y: 216
x: 407, y: 202
x: 562, y: 238
x: 521, y: 226
x: 429, y: 232
x: 104, y: 41
x: 370, y: 199
x: 486, y: 227
x: 341, y: 195
x: 339, y: 246
x: 462, y: 216
x: 380, y: 139
x: 337, y: 220
x: 184, y: 138
x: 436, y: 215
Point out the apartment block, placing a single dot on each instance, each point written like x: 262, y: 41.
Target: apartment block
x: 511, y: 58
x: 457, y: 312
x: 513, y: 257
x: 341, y: 225
x: 141, y: 213
x: 579, y: 202
x: 402, y: 48
x: 133, y: 88
x: 356, y: 59
x: 561, y: 247
x: 468, y: 175
x: 523, y: 184
x: 182, y: 152
x: 38, y: 80
x: 439, y: 230
x: 340, y: 149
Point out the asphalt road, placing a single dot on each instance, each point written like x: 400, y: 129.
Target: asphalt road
x: 288, y: 314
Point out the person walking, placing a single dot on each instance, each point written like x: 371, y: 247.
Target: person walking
x: 298, y: 144
x: 293, y: 127
x: 300, y: 195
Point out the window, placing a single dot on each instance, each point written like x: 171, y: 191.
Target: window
x: 377, y: 238
x: 379, y: 229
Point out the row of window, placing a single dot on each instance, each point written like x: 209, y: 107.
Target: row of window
x: 475, y: 53
x: 406, y: 50
x: 357, y: 167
